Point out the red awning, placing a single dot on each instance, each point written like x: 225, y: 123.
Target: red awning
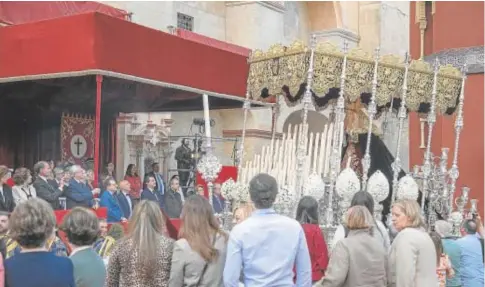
x: 21, y: 12
x: 95, y: 43
x: 213, y: 42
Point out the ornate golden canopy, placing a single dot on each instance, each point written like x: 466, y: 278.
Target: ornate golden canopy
x: 288, y: 66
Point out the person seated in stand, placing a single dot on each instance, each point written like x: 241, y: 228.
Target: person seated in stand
x: 32, y: 223
x: 78, y: 193
x: 43, y: 186
x: 151, y: 193
x: 81, y: 228
x: 58, y: 178
x: 217, y: 200
x: 110, y: 201
x: 23, y: 189
x: 173, y: 199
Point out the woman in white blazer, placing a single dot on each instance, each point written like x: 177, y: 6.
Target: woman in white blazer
x: 412, y: 259
x: 23, y: 189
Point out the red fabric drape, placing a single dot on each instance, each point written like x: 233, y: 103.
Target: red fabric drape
x: 226, y: 173
x: 243, y: 51
x: 103, y: 42
x: 20, y: 12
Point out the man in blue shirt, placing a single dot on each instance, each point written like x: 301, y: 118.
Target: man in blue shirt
x: 471, y: 255
x: 110, y: 201
x: 267, y: 246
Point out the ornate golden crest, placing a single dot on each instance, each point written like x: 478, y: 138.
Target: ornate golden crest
x: 288, y: 66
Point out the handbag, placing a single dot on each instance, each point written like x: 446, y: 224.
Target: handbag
x: 206, y: 263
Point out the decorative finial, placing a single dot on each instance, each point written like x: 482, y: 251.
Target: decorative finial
x: 464, y: 69
x: 406, y: 58
x: 377, y: 53
x: 346, y: 47
x: 436, y: 64
x: 313, y: 40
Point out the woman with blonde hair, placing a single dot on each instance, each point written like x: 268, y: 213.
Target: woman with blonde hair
x: 359, y: 259
x: 412, y: 259
x: 199, y: 255
x: 144, y: 256
x: 23, y: 189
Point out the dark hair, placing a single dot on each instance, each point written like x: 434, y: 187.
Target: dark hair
x: 437, y: 244
x: 470, y: 226
x: 363, y: 198
x: 21, y: 175
x: 154, y: 164
x: 107, y: 181
x: 307, y: 211
x: 129, y: 170
x: 263, y: 190
x: 81, y: 226
x: 147, y: 178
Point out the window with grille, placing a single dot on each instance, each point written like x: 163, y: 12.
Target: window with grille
x: 185, y: 22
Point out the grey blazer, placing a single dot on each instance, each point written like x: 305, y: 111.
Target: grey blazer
x: 187, y: 265
x: 358, y: 260
x: 412, y: 260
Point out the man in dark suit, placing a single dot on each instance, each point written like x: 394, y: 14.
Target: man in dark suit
x: 173, y: 199
x: 124, y: 198
x: 150, y: 192
x: 218, y: 202
x: 45, y: 189
x: 6, y: 198
x: 155, y: 173
x: 78, y: 193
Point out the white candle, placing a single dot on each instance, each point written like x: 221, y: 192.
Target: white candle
x: 205, y: 100
x: 323, y: 142
x: 315, y: 152
x: 326, y: 166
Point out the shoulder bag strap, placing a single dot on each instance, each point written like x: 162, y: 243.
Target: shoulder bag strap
x: 206, y: 263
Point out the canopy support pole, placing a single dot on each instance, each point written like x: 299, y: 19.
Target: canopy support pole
x: 99, y: 83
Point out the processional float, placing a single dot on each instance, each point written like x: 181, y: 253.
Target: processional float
x: 311, y: 164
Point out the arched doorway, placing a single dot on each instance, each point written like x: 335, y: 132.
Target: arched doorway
x: 316, y: 124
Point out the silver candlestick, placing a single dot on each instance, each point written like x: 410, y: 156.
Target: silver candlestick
x: 338, y: 131
x: 371, y: 110
x: 431, y: 121
x: 307, y: 100
x: 454, y: 173
x: 396, y: 167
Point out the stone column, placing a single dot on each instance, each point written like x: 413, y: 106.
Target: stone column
x: 123, y: 126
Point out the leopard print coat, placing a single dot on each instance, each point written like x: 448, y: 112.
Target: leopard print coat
x: 122, y: 271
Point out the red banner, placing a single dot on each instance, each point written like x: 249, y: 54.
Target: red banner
x: 226, y: 173
x: 77, y: 138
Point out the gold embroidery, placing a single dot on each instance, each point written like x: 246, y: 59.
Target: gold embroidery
x: 288, y: 66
